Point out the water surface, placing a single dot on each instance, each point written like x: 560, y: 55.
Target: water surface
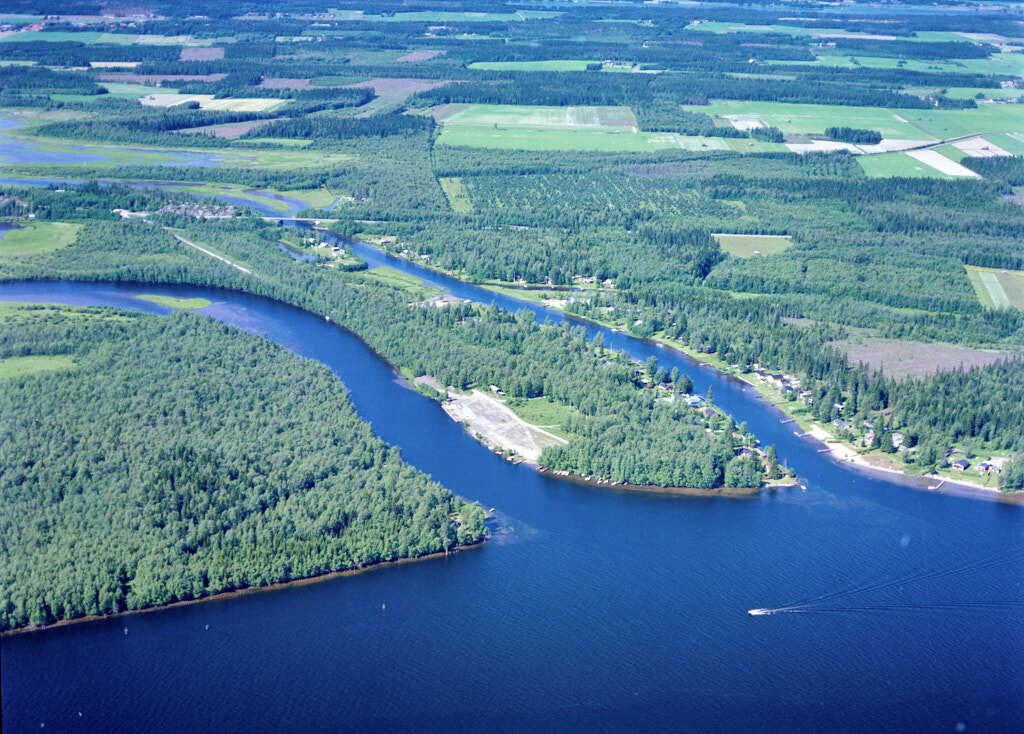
x: 590, y: 608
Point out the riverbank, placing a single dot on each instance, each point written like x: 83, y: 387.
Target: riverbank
x: 730, y: 492
x: 224, y: 595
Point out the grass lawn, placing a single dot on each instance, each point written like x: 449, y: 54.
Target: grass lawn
x: 410, y: 283
x: 37, y: 237
x: 22, y: 366
x: 172, y: 302
x: 543, y: 413
x: 884, y: 165
x: 458, y: 197
x: 749, y: 245
x: 997, y: 288
x: 317, y: 198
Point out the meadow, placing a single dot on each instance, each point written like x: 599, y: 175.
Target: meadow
x: 36, y: 237
x: 177, y: 303
x: 538, y: 117
x: 750, y: 245
x: 887, y: 165
x: 458, y: 197
x: 997, y: 288
x: 12, y: 367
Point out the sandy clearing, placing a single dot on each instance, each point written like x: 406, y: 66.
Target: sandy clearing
x: 980, y: 148
x: 200, y: 53
x: 158, y: 78
x: 822, y: 146
x: 941, y: 163
x: 423, y: 55
x: 114, y: 64
x: 744, y: 122
x: 285, y: 83
x: 498, y: 425
x: 889, y: 145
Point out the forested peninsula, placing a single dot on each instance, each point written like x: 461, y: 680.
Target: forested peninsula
x: 147, y: 460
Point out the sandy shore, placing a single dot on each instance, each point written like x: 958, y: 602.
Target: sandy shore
x: 241, y: 592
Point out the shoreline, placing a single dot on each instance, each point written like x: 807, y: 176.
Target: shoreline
x: 729, y: 492
x: 245, y: 591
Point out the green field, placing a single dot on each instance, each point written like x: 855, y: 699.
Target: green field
x: 885, y: 165
x: 951, y: 152
x: 594, y: 140
x: 749, y: 245
x: 410, y: 283
x: 543, y: 413
x: 1010, y: 64
x: 36, y: 237
x: 537, y: 117
x: 172, y: 302
x: 1010, y: 143
x: 458, y: 197
x: 904, y: 124
x: 22, y: 366
x: 316, y: 198
x: 997, y: 288
x: 547, y: 65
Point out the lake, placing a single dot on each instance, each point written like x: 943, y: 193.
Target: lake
x: 588, y: 609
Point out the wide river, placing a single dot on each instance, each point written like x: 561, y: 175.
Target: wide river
x: 589, y: 608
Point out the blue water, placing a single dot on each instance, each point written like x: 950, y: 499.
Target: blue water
x: 18, y: 150
x: 589, y: 609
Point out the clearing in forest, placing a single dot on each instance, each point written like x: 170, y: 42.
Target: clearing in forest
x: 752, y: 245
x: 22, y: 366
x: 543, y: 118
x: 885, y: 165
x: 458, y: 197
x: 942, y: 164
x: 209, y: 102
x: 899, y: 358
x: 37, y: 237
x: 995, y: 288
x: 498, y: 425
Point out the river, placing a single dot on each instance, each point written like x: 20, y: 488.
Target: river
x: 589, y: 608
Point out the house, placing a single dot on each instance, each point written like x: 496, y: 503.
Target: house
x: 987, y: 467
x: 961, y: 464
x: 694, y: 401
x: 841, y: 424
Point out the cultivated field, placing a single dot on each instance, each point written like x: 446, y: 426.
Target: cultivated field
x: 886, y: 165
x: 544, y: 118
x: 899, y: 358
x: 751, y: 245
x: 546, y: 65
x: 209, y: 102
x: 610, y: 141
x: 995, y: 288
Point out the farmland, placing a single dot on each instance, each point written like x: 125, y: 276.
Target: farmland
x: 996, y: 288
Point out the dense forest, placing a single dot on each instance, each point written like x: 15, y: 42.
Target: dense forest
x: 352, y: 108
x: 135, y: 472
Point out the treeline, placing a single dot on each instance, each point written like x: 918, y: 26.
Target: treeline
x: 326, y: 127
x: 853, y: 135
x: 142, y: 475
